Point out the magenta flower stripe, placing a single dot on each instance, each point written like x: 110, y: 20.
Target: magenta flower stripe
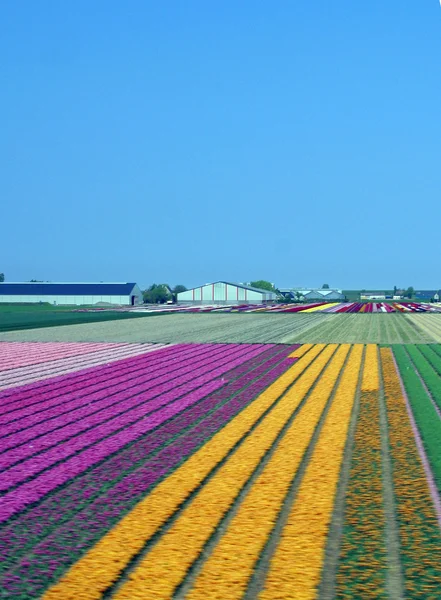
x: 127, y: 465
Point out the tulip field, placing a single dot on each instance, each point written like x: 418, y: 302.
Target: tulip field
x: 325, y: 307
x: 219, y: 470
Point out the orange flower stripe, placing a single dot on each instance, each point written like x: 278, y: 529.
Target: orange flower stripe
x: 103, y: 564
x: 420, y: 536
x: 296, y: 566
x: 362, y: 568
x: 165, y: 566
x: 227, y: 571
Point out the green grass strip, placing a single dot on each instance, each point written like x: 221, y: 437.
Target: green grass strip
x: 426, y: 416
x: 433, y: 357
x: 430, y: 376
x: 13, y: 321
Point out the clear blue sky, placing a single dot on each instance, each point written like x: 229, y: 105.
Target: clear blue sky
x: 190, y: 141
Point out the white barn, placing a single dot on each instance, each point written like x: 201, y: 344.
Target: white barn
x: 127, y: 294
x: 222, y: 292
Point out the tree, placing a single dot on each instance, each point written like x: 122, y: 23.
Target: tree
x: 2, y: 277
x: 177, y: 290
x: 156, y: 294
x: 263, y: 285
x: 409, y: 292
x: 325, y: 286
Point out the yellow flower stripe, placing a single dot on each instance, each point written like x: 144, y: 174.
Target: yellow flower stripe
x: 102, y: 565
x: 371, y: 379
x: 301, y: 351
x: 226, y: 572
x: 296, y: 566
x: 163, y: 568
x: 420, y: 536
x: 321, y: 307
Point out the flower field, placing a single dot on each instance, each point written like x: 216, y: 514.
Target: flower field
x: 326, y: 307
x: 219, y: 470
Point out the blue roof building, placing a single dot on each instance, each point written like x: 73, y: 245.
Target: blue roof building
x: 128, y: 294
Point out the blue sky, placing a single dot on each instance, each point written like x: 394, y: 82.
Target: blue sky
x: 192, y: 141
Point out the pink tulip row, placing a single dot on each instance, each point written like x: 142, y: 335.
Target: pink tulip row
x: 20, y: 354
x: 22, y: 375
x: 39, y: 474
x: 97, y: 408
x: 35, y: 393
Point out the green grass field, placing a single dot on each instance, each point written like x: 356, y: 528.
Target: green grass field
x: 15, y: 317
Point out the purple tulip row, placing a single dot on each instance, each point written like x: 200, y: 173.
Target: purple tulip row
x: 92, y: 447
x: 35, y: 401
x: 71, y: 406
x: 90, y: 484
x: 45, y: 390
x: 53, y: 555
x: 109, y: 413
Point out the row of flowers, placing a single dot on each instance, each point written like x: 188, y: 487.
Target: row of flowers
x: 119, y: 405
x: 103, y: 564
x: 81, y: 452
x: 363, y: 563
x: 333, y: 307
x: 43, y: 395
x: 21, y: 376
x: 296, y: 566
x: 33, y: 398
x: 20, y: 354
x: 419, y: 531
x: 226, y: 573
x: 168, y: 561
x: 100, y: 497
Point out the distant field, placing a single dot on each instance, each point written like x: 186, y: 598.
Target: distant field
x: 245, y: 328
x: 22, y: 316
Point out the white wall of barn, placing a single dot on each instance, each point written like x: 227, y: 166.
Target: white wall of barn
x: 72, y: 300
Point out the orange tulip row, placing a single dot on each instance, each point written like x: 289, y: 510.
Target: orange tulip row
x: 362, y: 564
x: 420, y: 536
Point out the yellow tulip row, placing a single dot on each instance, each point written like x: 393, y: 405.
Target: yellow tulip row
x: 319, y: 308
x: 104, y: 563
x: 164, y: 567
x: 301, y: 350
x: 371, y: 379
x: 420, y: 537
x: 362, y: 563
x: 227, y: 571
x: 296, y: 567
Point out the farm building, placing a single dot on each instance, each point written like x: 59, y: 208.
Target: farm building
x: 427, y: 295
x: 313, y: 295
x: 223, y: 292
x: 374, y: 296
x: 72, y: 293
